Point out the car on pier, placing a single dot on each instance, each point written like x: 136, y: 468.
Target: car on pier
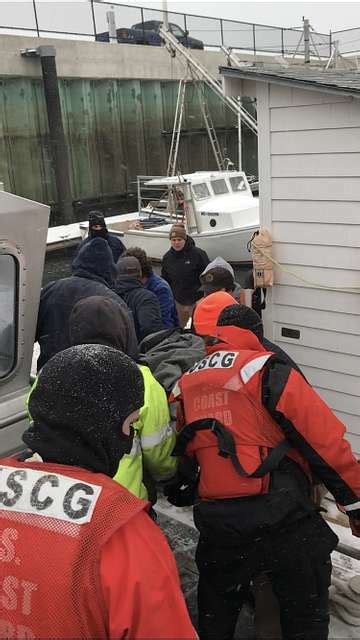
x: 148, y: 33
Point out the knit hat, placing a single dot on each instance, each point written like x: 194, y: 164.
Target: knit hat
x: 239, y: 315
x: 96, y: 217
x: 207, y: 312
x: 99, y: 320
x: 82, y: 397
x: 178, y: 231
x: 219, y: 262
x: 216, y: 279
x: 128, y: 266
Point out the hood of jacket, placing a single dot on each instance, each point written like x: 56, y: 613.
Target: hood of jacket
x: 99, y: 320
x: 95, y: 262
x: 124, y: 284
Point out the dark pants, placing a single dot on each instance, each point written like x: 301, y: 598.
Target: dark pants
x: 298, y: 565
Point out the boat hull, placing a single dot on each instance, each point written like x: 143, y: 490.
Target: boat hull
x: 230, y: 244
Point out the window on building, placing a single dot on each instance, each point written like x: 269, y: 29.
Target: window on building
x: 7, y: 314
x: 219, y: 187
x: 238, y: 183
x: 200, y: 191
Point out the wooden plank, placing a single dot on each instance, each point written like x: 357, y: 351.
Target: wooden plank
x: 343, y: 402
x: 341, y: 189
x: 336, y: 301
x: 336, y: 235
x: 316, y: 276
x: 155, y: 147
x: 109, y: 137
x: 313, y: 117
x: 325, y: 379
x: 320, y: 339
x: 315, y: 164
x: 326, y: 212
x: 314, y: 318
x: 305, y: 355
x: 287, y: 96
x: 340, y: 258
x: 346, y: 140
x: 133, y: 130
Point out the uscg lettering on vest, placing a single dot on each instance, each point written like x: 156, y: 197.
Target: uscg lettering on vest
x: 217, y: 360
x: 47, y: 494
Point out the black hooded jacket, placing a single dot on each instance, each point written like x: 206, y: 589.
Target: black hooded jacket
x: 143, y: 303
x: 182, y: 270
x: 93, y: 274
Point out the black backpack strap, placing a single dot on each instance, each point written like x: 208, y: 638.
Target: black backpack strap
x: 227, y: 447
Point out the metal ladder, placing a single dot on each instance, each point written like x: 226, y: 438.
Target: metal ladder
x: 175, y: 140
x: 203, y: 74
x: 214, y: 141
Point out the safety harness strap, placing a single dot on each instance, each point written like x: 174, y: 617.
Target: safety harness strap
x: 227, y: 447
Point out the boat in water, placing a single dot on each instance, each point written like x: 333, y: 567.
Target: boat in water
x: 217, y: 208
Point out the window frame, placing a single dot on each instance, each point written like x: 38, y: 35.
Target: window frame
x: 197, y: 198
x: 223, y: 193
x: 13, y: 251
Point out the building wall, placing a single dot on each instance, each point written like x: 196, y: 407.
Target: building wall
x: 115, y: 129
x: 309, y: 167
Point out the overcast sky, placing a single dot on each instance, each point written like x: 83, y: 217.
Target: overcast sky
x: 323, y: 15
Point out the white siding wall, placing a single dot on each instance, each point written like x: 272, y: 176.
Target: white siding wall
x: 310, y: 190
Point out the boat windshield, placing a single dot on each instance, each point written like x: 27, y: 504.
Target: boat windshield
x: 238, y: 183
x: 201, y: 191
x: 219, y: 187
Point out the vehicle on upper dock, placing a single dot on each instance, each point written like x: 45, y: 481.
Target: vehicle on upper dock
x: 148, y: 32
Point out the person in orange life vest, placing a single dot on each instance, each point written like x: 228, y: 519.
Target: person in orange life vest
x: 102, y: 568
x: 258, y: 430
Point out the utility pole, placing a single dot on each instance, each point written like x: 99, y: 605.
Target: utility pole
x: 166, y: 15
x: 306, y: 40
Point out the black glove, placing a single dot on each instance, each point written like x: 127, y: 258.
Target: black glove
x: 181, y: 490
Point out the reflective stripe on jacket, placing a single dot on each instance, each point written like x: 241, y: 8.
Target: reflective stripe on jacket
x: 154, y: 440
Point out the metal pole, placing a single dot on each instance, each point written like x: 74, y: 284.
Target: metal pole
x: 254, y: 40
x: 222, y: 31
x: 165, y: 14
x: 330, y: 42
x: 36, y: 19
x: 239, y: 138
x: 282, y: 43
x: 186, y: 29
x: 110, y: 17
x: 306, y: 40
x: 57, y: 135
x: 93, y: 17
x: 142, y: 22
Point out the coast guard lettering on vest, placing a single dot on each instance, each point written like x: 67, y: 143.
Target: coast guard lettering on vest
x: 217, y: 360
x: 47, y: 494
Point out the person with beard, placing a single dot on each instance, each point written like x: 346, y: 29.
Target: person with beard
x: 98, y: 229
x: 97, y: 320
x: 102, y: 568
x: 93, y: 274
x: 182, y: 266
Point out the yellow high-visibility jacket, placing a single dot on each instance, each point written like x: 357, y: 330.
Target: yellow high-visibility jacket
x: 154, y: 440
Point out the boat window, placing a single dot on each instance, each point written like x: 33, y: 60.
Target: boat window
x: 219, y: 187
x: 200, y: 190
x: 7, y: 313
x: 238, y: 183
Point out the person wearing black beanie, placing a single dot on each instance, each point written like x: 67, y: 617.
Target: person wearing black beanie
x: 99, y: 566
x: 82, y: 398
x: 98, y: 229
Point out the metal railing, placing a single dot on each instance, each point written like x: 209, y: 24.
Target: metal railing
x: 87, y: 21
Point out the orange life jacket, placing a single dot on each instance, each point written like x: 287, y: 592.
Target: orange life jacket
x: 222, y: 393
x: 54, y: 520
